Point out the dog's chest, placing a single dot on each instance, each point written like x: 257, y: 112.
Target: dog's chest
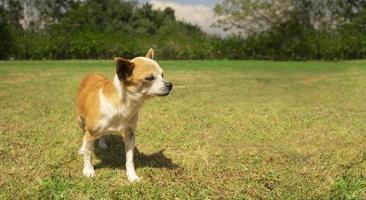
x: 115, y: 117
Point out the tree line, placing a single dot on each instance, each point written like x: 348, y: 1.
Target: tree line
x: 261, y: 29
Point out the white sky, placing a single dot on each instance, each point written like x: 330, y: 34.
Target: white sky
x: 198, y: 12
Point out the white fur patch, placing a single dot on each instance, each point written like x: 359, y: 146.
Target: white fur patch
x: 117, y: 84
x: 157, y: 87
x: 116, y: 117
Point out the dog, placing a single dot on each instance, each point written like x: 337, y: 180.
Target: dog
x: 105, y: 106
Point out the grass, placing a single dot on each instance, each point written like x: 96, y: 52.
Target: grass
x: 229, y: 130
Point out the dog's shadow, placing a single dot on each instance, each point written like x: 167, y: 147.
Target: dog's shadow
x: 114, y: 156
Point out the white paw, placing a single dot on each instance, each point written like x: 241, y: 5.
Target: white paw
x: 89, y: 172
x: 132, y: 177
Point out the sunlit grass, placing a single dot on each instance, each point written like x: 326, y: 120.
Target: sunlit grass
x: 230, y: 129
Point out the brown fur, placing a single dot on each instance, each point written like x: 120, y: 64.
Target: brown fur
x: 105, y: 106
x: 88, y: 94
x: 139, y: 73
x: 88, y: 100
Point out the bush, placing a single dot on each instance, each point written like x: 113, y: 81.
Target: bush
x: 6, y: 42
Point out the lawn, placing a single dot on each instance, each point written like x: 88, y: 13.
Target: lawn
x: 229, y: 130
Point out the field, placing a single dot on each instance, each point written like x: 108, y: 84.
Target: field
x: 229, y: 130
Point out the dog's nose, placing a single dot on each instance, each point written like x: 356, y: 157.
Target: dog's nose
x: 169, y: 85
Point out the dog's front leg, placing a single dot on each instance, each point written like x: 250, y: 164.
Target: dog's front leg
x: 129, y: 148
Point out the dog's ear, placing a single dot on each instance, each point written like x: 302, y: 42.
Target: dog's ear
x: 150, y: 54
x: 124, y: 69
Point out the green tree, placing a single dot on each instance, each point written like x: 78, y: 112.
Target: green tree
x: 148, y: 20
x: 12, y: 12
x: 52, y: 11
x: 249, y: 17
x: 6, y: 42
x: 100, y: 15
x: 252, y: 17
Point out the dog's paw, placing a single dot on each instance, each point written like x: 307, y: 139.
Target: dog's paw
x: 133, y: 178
x: 89, y: 172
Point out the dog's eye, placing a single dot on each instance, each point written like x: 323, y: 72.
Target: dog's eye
x: 150, y: 78
x: 162, y: 75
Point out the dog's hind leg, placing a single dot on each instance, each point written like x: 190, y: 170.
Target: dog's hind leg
x: 86, y: 150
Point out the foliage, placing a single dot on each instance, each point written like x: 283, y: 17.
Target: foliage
x: 250, y: 17
x: 281, y: 30
x: 104, y: 29
x: 301, y: 29
x: 5, y: 42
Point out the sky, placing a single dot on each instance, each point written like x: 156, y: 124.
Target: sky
x: 197, y: 12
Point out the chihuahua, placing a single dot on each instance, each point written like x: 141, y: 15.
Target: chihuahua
x: 105, y: 106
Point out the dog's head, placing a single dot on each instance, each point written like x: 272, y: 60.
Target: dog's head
x: 143, y: 75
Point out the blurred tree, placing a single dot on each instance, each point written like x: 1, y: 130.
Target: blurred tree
x: 12, y: 12
x: 6, y: 41
x: 351, y: 8
x: 148, y: 20
x: 100, y: 15
x: 52, y: 11
x: 170, y: 13
x: 254, y: 16
x: 249, y: 17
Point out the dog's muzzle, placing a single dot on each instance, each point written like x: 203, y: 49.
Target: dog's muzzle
x: 168, y: 87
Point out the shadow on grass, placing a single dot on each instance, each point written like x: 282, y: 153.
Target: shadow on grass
x: 114, y: 156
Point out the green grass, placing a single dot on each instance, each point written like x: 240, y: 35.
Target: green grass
x: 230, y: 129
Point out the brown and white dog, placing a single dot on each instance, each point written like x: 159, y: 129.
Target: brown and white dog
x: 105, y: 106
